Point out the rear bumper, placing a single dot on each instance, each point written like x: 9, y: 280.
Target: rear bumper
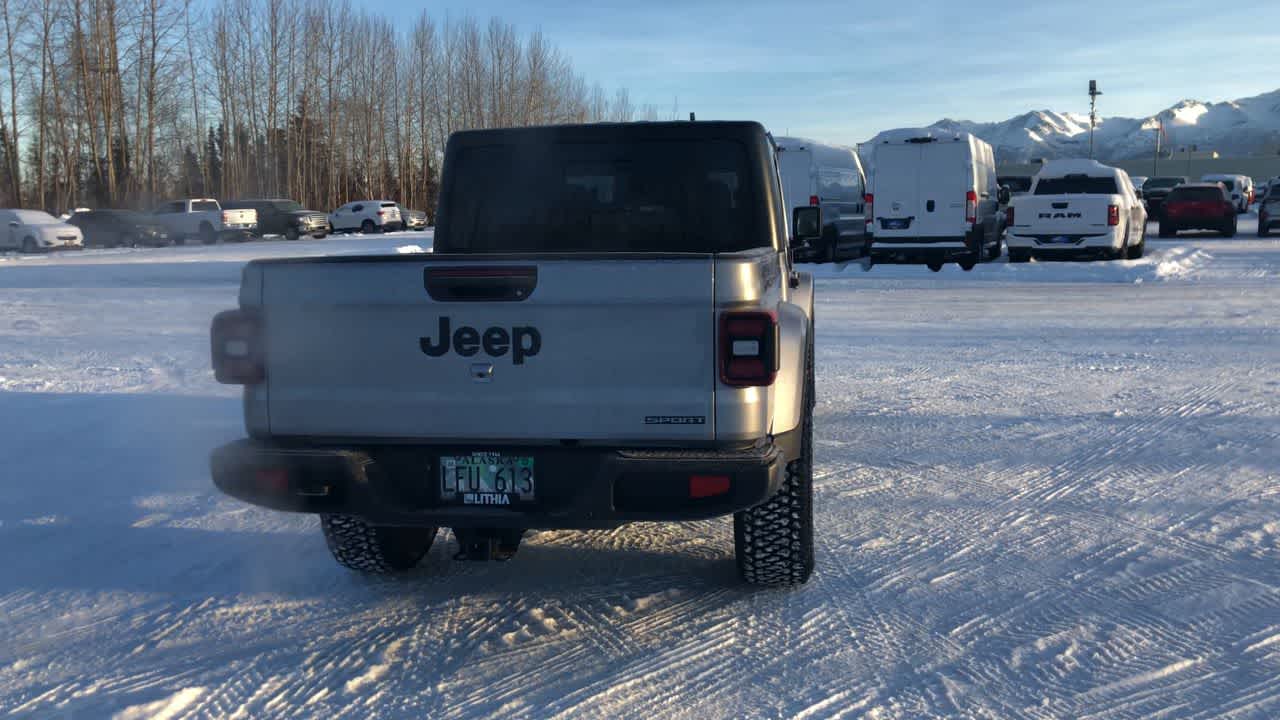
x: 576, y: 487
x: 1193, y: 222
x: 1110, y: 240
x: 919, y: 250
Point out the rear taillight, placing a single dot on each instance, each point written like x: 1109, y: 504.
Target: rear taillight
x: 971, y: 207
x: 236, y: 344
x: 869, y: 202
x: 1113, y: 215
x: 748, y: 348
x: 813, y: 201
x: 381, y: 213
x: 226, y: 217
x: 1008, y: 216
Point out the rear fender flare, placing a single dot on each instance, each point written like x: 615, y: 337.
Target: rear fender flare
x: 795, y: 318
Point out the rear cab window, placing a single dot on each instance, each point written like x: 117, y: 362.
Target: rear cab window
x: 1077, y: 185
x: 204, y: 206
x: 646, y: 195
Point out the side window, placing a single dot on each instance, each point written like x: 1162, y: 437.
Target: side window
x: 357, y: 208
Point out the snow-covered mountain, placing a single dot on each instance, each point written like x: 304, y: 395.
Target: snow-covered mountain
x: 1233, y: 128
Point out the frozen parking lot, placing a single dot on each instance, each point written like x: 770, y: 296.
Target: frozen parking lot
x: 1044, y: 490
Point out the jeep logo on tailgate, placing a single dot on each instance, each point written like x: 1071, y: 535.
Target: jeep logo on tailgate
x: 522, y: 341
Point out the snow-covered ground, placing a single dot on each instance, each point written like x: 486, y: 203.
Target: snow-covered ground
x: 1043, y: 490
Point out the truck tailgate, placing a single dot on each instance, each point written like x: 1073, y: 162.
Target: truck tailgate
x: 594, y: 349
x: 1065, y: 215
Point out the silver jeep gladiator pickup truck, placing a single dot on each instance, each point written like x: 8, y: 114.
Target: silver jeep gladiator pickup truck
x: 609, y: 330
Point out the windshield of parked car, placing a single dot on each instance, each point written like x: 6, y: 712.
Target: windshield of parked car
x: 35, y: 217
x: 287, y: 206
x: 1017, y: 184
x: 645, y: 196
x: 1077, y: 185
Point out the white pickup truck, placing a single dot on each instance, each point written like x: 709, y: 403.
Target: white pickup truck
x: 203, y: 218
x: 610, y: 330
x: 1077, y: 208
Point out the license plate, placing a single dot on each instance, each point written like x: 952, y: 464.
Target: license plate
x: 486, y: 478
x: 898, y: 224
x: 1061, y: 240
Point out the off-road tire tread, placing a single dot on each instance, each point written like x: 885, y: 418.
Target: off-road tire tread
x: 773, y: 541
x: 374, y: 549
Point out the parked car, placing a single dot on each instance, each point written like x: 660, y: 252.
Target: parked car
x: 662, y: 265
x: 412, y: 219
x: 1198, y: 206
x: 282, y: 216
x: 1238, y: 186
x: 1077, y: 208
x: 1265, y: 189
x: 934, y: 199
x: 205, y: 219
x: 367, y: 216
x: 1155, y: 189
x: 33, y: 231
x: 1017, y: 184
x: 1269, y: 213
x: 119, y: 228
x: 831, y: 178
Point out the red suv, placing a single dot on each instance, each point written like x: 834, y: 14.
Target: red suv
x: 1198, y: 206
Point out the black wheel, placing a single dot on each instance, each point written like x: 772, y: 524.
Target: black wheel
x: 1167, y: 231
x: 1230, y: 229
x: 366, y: 227
x: 358, y: 545
x: 207, y: 235
x: 291, y: 233
x: 29, y: 245
x: 996, y: 251
x: 935, y: 266
x: 1264, y: 230
x: 1018, y: 256
x: 132, y: 241
x: 319, y: 236
x: 967, y: 265
x: 773, y: 542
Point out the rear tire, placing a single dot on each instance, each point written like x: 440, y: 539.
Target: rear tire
x: 935, y: 266
x: 1134, y: 252
x: 291, y: 233
x: 967, y: 265
x: 29, y: 245
x: 1264, y: 230
x: 378, y: 549
x: 773, y: 542
x: 207, y: 235
x: 1230, y: 229
x: 366, y: 227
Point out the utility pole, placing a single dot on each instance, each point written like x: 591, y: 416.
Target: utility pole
x: 1093, y: 115
x: 1155, y: 162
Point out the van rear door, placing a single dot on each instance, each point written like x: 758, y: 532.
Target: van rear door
x: 896, y: 191
x: 945, y: 176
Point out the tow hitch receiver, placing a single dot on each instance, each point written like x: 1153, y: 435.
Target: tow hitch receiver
x: 483, y: 544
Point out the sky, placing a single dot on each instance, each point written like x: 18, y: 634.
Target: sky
x: 843, y: 71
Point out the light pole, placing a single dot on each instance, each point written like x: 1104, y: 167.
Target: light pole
x: 1093, y: 115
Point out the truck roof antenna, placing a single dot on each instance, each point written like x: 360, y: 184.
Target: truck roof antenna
x: 692, y: 118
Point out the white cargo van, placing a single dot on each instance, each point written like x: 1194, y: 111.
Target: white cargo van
x: 831, y: 178
x: 934, y: 199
